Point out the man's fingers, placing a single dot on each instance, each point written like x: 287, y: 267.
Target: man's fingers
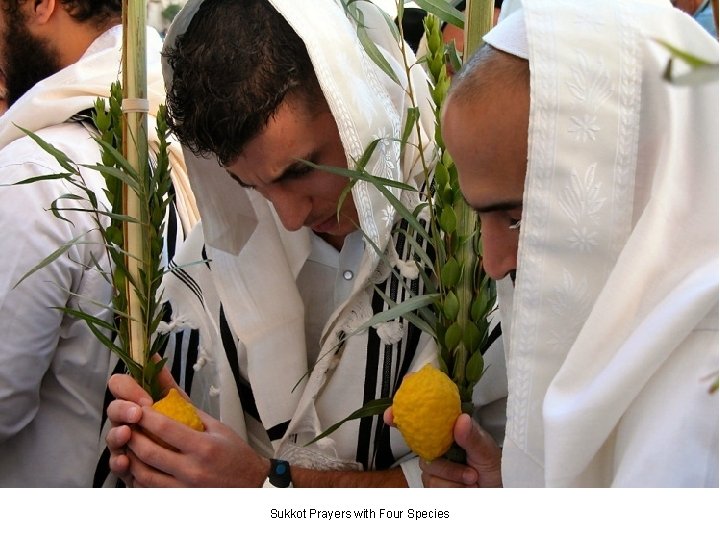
x: 454, y: 473
x: 118, y: 437
x: 123, y: 412
x: 125, y: 387
x: 388, y: 416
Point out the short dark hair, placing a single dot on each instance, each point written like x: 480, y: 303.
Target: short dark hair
x: 96, y: 11
x: 232, y: 68
x: 487, y: 68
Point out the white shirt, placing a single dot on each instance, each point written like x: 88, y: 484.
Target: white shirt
x: 53, y: 371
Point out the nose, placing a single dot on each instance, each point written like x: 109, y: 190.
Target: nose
x: 292, y: 208
x: 499, y: 248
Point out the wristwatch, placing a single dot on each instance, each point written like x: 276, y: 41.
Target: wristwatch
x: 279, y: 475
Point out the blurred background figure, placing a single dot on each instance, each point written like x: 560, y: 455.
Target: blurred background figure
x: 413, y: 31
x: 701, y: 11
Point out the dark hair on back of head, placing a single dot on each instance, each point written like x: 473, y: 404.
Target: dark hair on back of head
x: 96, y: 11
x: 234, y: 66
x: 490, y: 70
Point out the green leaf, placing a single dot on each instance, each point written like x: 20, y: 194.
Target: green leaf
x: 690, y: 59
x: 474, y: 368
x: 372, y: 51
x: 448, y: 220
x: 52, y: 257
x: 450, y: 273
x: 371, y: 408
x: 453, y: 335
x: 442, y: 177
x: 453, y: 56
x: 361, y: 163
x: 58, y: 176
x: 397, y: 311
x: 472, y: 337
x: 413, y: 115
x: 63, y: 160
x: 451, y: 306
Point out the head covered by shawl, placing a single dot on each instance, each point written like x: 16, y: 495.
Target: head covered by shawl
x: 255, y: 260
x: 618, y: 250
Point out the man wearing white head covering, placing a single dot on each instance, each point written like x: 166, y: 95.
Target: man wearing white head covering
x: 57, y: 59
x: 290, y: 278
x: 612, y: 319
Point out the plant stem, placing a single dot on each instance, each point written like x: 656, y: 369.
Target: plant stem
x: 478, y: 22
x: 135, y: 150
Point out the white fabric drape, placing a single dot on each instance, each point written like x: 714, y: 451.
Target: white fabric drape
x: 613, y: 344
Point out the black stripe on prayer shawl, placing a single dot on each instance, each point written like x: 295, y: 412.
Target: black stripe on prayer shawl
x: 185, y: 356
x: 495, y: 333
x: 278, y: 431
x: 229, y: 341
x: 205, y: 257
x: 189, y: 282
x: 386, y: 365
x: 171, y: 225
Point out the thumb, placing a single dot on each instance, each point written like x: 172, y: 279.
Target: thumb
x: 482, y: 453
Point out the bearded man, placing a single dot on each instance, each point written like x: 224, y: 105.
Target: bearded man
x: 56, y: 57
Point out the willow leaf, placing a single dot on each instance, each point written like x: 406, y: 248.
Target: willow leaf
x: 361, y: 163
x: 120, y: 174
x: 410, y: 315
x: 391, y: 23
x: 397, y: 311
x: 404, y: 212
x: 372, y: 50
x: 416, y: 249
x: 359, y: 175
x: 444, y: 11
x: 371, y: 408
x: 52, y: 257
x: 57, y: 176
x: 63, y: 160
x: 94, y: 324
x: 413, y: 115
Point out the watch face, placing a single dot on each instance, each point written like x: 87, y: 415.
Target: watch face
x: 279, y: 473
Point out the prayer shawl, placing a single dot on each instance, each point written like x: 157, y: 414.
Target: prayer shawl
x: 613, y: 344
x: 255, y: 263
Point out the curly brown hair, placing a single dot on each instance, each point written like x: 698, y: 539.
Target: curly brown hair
x: 97, y: 11
x: 233, y: 67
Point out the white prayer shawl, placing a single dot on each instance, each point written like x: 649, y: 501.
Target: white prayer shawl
x: 75, y: 88
x: 614, y: 342
x: 255, y: 261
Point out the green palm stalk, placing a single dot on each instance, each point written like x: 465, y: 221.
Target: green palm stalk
x: 135, y: 150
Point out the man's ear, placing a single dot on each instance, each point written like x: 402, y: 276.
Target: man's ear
x: 42, y: 10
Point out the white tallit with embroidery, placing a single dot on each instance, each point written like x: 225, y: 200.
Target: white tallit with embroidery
x: 614, y: 342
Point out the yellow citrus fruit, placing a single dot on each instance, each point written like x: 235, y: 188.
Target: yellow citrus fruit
x: 425, y: 408
x: 175, y: 406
